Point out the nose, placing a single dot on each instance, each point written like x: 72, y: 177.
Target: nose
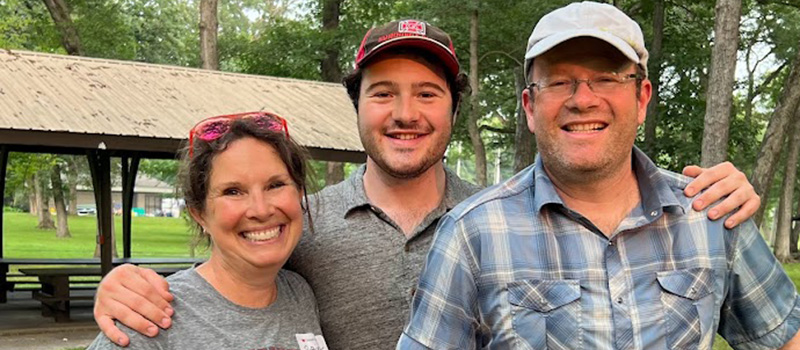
x: 259, y: 207
x: 405, y: 110
x: 582, y: 96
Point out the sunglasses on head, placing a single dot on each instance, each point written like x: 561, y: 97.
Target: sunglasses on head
x: 213, y: 128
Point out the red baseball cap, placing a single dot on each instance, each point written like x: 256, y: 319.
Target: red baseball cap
x: 409, y: 33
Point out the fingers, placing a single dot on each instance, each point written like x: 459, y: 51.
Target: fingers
x: 692, y: 170
x: 723, y: 180
x: 128, y: 295
x: 109, y: 328
x: 161, y: 286
x: 708, y: 177
x: 745, y: 199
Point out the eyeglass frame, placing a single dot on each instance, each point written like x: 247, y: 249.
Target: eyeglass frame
x: 231, y: 118
x: 576, y: 82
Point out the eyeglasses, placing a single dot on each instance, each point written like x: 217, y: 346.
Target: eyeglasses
x: 604, y: 84
x: 213, y: 128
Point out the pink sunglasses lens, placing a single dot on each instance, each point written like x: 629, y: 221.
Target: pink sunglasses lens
x: 268, y: 122
x: 213, y: 129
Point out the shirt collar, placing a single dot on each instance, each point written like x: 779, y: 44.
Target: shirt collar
x: 655, y: 191
x: 356, y: 196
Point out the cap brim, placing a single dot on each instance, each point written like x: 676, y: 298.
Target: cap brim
x: 555, y: 39
x: 427, y: 44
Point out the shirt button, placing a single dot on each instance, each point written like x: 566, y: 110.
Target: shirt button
x: 610, y: 243
x: 413, y: 291
x: 693, y: 290
x: 653, y: 213
x: 619, y: 300
x: 406, y: 248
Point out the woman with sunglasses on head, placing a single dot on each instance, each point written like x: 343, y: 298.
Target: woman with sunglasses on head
x: 244, y: 182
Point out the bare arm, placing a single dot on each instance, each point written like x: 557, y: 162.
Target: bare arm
x: 722, y: 180
x: 793, y: 344
x: 135, y: 296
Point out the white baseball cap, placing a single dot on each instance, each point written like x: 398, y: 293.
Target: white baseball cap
x: 588, y: 19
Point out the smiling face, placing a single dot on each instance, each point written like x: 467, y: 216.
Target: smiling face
x: 404, y: 114
x: 252, y: 210
x: 585, y: 135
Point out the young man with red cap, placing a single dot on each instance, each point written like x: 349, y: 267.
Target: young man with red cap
x: 372, y: 231
x: 594, y: 247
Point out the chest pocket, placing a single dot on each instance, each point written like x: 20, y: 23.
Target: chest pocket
x: 546, y: 313
x: 688, y: 300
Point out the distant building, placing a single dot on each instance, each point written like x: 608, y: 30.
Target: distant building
x: 150, y: 198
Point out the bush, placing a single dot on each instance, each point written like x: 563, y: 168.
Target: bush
x: 11, y: 210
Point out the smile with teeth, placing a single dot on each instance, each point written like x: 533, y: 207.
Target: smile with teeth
x: 587, y: 127
x: 264, y: 235
x: 404, y: 136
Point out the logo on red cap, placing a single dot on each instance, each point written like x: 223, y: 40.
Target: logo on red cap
x: 411, y: 26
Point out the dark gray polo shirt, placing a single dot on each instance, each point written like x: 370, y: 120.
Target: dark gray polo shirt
x: 361, y: 266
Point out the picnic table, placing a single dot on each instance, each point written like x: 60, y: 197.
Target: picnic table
x: 55, y: 293
x: 6, y: 286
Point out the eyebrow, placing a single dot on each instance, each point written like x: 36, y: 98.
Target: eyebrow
x: 378, y: 84
x: 393, y: 85
x: 428, y: 84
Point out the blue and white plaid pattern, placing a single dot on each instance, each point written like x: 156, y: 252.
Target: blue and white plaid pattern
x: 513, y: 268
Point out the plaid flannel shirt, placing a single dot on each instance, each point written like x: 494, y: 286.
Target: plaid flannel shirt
x: 513, y: 267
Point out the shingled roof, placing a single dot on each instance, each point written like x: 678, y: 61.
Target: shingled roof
x: 51, y: 100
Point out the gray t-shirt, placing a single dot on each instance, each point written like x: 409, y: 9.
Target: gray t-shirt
x: 361, y: 266
x: 204, y: 319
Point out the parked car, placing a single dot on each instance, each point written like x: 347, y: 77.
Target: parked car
x: 86, y: 210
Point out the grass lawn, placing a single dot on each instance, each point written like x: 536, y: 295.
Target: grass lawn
x: 150, y: 237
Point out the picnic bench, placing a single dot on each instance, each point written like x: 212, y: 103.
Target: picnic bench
x: 7, y: 285
x: 55, y: 292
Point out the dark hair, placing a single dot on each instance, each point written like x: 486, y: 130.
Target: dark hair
x: 196, y: 169
x: 458, y: 84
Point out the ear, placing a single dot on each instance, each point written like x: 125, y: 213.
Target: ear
x: 527, y: 106
x: 197, y: 216
x: 644, y: 99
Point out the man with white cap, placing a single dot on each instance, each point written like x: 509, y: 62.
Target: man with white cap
x: 372, y: 231
x: 594, y: 246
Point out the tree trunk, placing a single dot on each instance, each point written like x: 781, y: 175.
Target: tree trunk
x: 62, y: 229
x: 209, y: 58
x: 793, y: 239
x: 474, y: 115
x: 331, y: 71
x: 72, y: 185
x: 719, y: 96
x: 33, y: 209
x: 764, y: 169
x: 43, y: 208
x: 783, y: 239
x: 329, y: 66
x: 655, y: 77
x: 69, y: 34
x: 524, y: 141
x: 334, y: 173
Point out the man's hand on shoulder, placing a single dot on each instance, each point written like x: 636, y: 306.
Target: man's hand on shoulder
x: 719, y: 181
x: 137, y: 297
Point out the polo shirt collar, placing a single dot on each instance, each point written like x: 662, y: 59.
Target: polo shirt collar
x: 356, y: 196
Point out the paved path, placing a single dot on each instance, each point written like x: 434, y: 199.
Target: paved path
x: 50, y: 340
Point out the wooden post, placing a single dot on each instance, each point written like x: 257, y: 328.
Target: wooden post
x: 128, y: 183
x: 3, y: 167
x: 100, y: 166
x: 3, y: 267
